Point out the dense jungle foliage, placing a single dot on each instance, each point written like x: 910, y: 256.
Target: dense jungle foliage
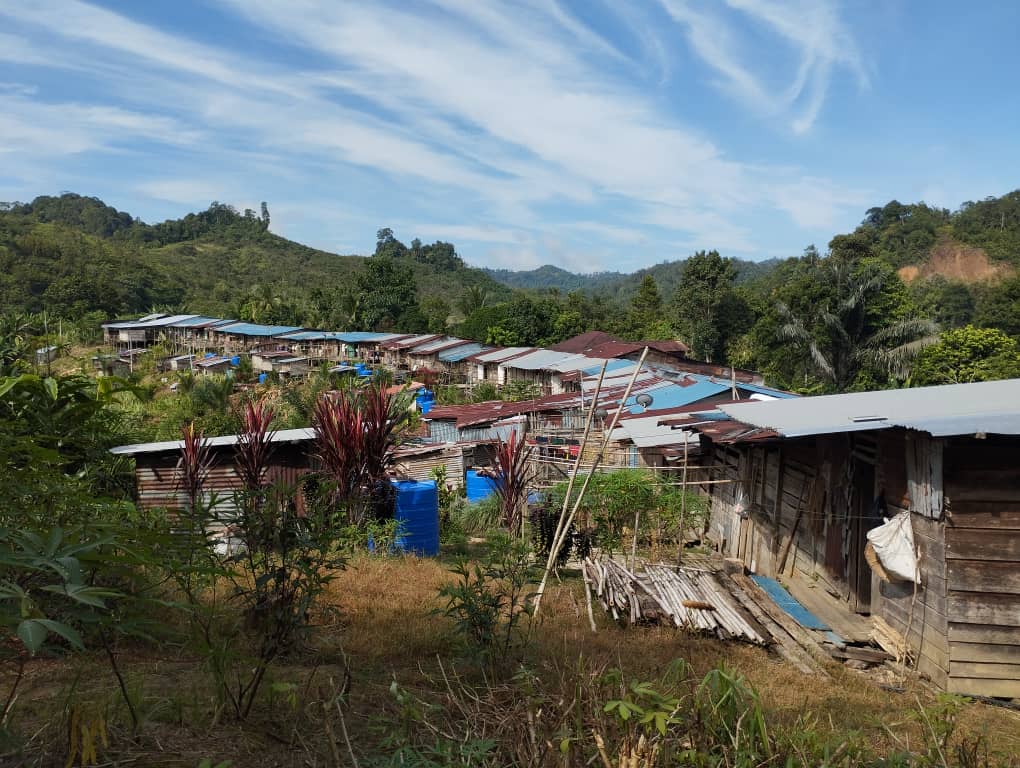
x: 852, y: 317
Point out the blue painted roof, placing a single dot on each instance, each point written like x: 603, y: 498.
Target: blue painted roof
x: 254, y: 329
x: 193, y: 321
x: 611, y: 365
x: 676, y: 396
x: 355, y: 336
x: 457, y: 354
x: 763, y: 390
x: 310, y: 336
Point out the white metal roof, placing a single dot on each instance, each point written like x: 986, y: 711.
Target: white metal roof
x: 991, y: 407
x: 537, y: 360
x: 575, y: 363
x: 498, y: 355
x: 282, y: 436
x: 646, y: 432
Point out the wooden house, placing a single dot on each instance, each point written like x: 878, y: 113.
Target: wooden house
x: 317, y: 346
x: 455, y: 363
x: 366, y: 345
x: 142, y: 333
x: 211, y: 365
x: 801, y: 482
x: 393, y: 353
x: 426, y: 356
x: 158, y: 482
x: 485, y: 366
x: 237, y: 338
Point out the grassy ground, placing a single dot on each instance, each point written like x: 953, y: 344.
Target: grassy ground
x: 406, y: 675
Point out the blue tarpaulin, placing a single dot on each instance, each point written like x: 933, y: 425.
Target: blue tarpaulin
x: 788, y: 603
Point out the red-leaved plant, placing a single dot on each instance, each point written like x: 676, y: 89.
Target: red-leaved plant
x: 513, y: 465
x: 356, y: 434
x: 193, y: 465
x: 255, y: 445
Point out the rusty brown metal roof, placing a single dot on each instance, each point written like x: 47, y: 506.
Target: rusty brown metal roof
x: 583, y: 342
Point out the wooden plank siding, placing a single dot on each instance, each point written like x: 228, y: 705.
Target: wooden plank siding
x: 982, y: 556
x: 922, y: 620
x: 963, y: 620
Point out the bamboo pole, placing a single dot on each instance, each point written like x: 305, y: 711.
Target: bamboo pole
x: 565, y: 524
x: 558, y: 534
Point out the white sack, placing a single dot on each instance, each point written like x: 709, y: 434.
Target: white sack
x: 893, y: 542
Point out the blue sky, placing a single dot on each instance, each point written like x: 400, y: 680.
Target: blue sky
x: 592, y: 135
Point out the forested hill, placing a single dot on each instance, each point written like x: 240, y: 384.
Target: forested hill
x: 549, y: 276
x: 979, y: 240
x: 73, y: 255
x: 615, y: 284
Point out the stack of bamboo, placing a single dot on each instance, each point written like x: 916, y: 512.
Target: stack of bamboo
x: 688, y: 598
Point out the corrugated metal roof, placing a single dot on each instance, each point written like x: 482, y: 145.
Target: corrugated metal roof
x: 150, y: 322
x: 583, y: 342
x: 437, y: 345
x: 309, y: 336
x: 194, y: 322
x: 648, y: 432
x: 673, y: 395
x: 281, y: 436
x: 354, y: 337
x: 506, y: 353
x: 255, y: 329
x: 462, y: 352
x: 537, y: 360
x: 617, y: 367
x: 573, y: 363
x: 406, y: 342
x: 991, y: 407
x: 763, y: 390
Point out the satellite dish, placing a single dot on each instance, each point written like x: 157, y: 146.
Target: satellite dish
x: 644, y: 400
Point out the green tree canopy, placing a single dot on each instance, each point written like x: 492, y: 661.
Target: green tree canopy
x: 390, y: 301
x: 704, y: 303
x: 967, y: 354
x: 644, y: 316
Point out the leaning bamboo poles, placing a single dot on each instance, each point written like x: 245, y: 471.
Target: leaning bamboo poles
x: 689, y: 599
x: 565, y: 521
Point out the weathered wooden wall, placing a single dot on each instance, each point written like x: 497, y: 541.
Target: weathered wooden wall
x: 921, y: 619
x: 159, y: 486
x: 982, y: 559
x: 963, y: 621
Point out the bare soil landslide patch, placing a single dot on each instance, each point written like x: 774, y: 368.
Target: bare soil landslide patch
x: 956, y: 261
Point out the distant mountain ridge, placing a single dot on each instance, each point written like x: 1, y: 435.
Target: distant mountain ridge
x: 615, y: 284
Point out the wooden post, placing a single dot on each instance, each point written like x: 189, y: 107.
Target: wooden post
x: 683, y: 505
x: 796, y: 522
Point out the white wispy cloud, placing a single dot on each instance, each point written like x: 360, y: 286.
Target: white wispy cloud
x: 466, y: 108
x: 812, y: 32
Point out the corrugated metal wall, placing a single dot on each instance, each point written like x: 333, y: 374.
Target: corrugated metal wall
x: 420, y: 467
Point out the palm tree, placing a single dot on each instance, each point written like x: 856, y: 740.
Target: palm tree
x: 840, y: 340
x: 474, y: 297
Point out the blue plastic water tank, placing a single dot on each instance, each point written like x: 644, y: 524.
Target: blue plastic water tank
x: 235, y: 360
x: 478, y: 487
x: 262, y: 378
x: 416, y: 511
x: 426, y: 405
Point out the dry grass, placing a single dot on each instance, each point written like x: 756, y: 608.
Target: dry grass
x: 385, y: 628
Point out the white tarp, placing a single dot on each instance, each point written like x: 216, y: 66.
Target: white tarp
x: 893, y: 542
